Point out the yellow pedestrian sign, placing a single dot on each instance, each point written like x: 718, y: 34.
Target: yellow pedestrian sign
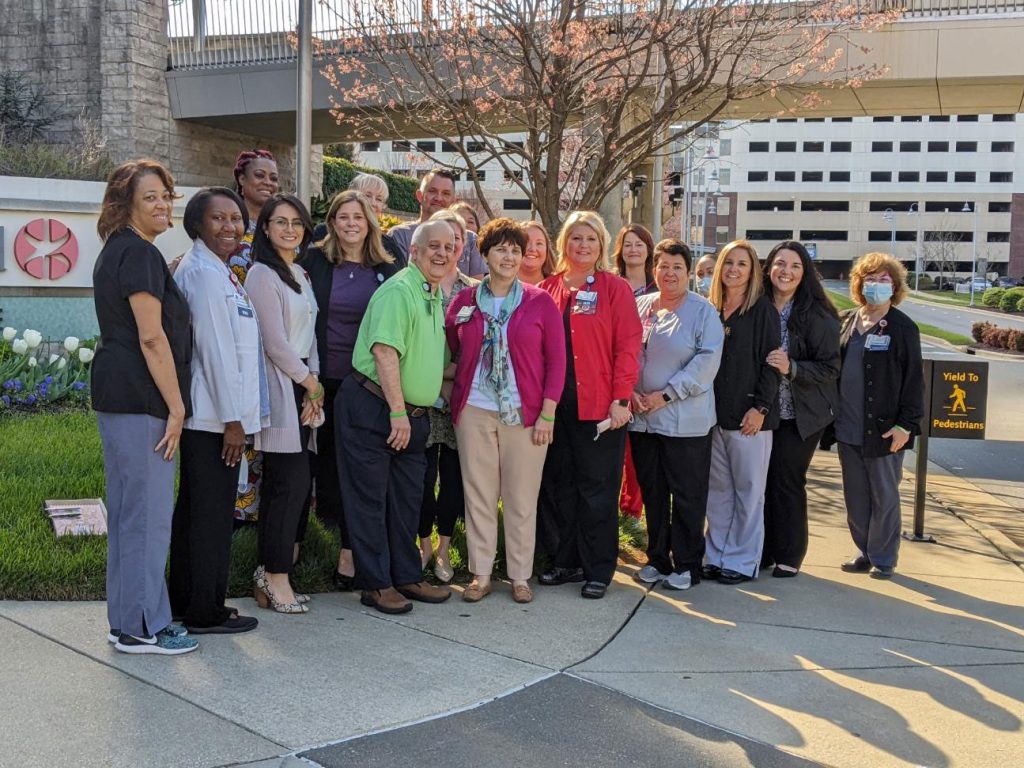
x: 959, y: 392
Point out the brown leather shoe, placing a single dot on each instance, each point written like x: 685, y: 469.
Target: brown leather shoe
x: 475, y: 592
x: 522, y: 593
x: 425, y: 593
x: 385, y: 600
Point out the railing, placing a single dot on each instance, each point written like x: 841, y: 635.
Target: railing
x: 218, y: 33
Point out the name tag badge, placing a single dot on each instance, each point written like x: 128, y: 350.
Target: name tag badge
x: 586, y: 303
x: 244, y: 310
x: 876, y: 343
x: 464, y: 314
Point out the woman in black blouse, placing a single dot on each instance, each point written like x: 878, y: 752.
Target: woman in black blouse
x: 746, y: 389
x: 808, y: 361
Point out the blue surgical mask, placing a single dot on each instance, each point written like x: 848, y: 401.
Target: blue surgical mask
x: 877, y: 293
x: 704, y: 286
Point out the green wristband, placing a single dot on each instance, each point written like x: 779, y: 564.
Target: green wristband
x: 547, y: 418
x: 399, y: 414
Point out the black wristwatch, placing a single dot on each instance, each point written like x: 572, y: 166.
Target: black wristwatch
x: 623, y: 403
x: 665, y: 397
x: 762, y: 410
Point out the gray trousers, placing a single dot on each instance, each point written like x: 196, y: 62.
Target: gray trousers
x: 739, y: 472
x: 140, y: 504
x: 871, y: 488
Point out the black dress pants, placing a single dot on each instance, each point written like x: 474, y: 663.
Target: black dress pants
x: 449, y: 504
x: 673, y: 475
x: 324, y: 468
x: 580, y: 493
x: 284, y: 501
x: 201, y: 531
x: 785, y: 497
x: 382, y: 487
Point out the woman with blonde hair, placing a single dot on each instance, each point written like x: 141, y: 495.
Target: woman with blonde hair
x: 881, y: 404
x: 583, y: 469
x: 538, y: 258
x: 345, y: 269
x: 468, y: 214
x: 746, y: 391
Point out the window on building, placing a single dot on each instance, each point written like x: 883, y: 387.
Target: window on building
x: 945, y: 206
x: 447, y: 146
x: 785, y: 175
x: 786, y: 120
x: 910, y: 146
x: 421, y: 172
x: 841, y: 146
x: 814, y: 146
x: 770, y: 205
x: 999, y: 207
x: 945, y: 235
x: 883, y: 119
x: 881, y: 146
x: 938, y: 118
x: 812, y: 176
x: 910, y: 119
x: 967, y: 118
x: 479, y: 174
x: 427, y: 146
x: 757, y: 175
x: 876, y: 206
x: 785, y: 146
x: 967, y: 146
x: 769, y: 234
x: 842, y: 119
x: 885, y: 235
x: 938, y: 146
x: 401, y: 171
x: 760, y: 146
x: 725, y: 176
x: 476, y: 146
x: 823, y: 234
x: 964, y: 177
x: 725, y: 147
x: 839, y: 176
x: 514, y: 175
x: 998, y: 237
x: 814, y: 119
x: 515, y: 204
x: 936, y: 176
x: 401, y: 145
x: 1004, y: 118
x: 369, y: 146
x: 909, y: 176
x: 722, y: 235
x: 1002, y: 146
x: 1001, y: 177
x: 825, y: 205
x: 881, y: 175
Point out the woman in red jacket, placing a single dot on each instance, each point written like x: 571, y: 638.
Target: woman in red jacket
x: 580, y: 488
x: 506, y: 338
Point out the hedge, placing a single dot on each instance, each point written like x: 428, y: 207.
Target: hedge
x: 992, y: 296
x: 338, y: 173
x: 1009, y: 300
x: 998, y: 338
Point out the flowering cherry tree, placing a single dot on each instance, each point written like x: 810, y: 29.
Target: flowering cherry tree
x: 595, y: 87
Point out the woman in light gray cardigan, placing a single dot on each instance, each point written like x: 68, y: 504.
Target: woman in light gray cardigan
x: 286, y: 309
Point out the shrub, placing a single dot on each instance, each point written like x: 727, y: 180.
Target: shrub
x: 1009, y: 300
x: 84, y: 158
x: 925, y: 283
x: 1017, y: 343
x: 978, y: 331
x: 401, y: 189
x: 992, y: 296
x: 1020, y: 304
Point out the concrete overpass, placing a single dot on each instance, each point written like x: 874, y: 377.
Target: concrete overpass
x: 943, y: 57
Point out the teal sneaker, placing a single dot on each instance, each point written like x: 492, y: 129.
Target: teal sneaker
x: 163, y: 643
x: 174, y: 630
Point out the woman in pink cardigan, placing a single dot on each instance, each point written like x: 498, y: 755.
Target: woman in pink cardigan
x: 508, y: 343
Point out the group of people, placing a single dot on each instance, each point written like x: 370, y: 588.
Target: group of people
x: 395, y: 382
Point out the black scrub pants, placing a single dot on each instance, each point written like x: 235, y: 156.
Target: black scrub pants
x: 324, y: 468
x: 785, y: 496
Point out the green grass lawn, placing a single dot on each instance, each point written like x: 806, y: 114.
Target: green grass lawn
x: 58, y: 456
x: 842, y: 302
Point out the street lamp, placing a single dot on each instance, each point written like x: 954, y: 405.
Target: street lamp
x: 916, y: 209
x: 890, y: 216
x: 974, y: 245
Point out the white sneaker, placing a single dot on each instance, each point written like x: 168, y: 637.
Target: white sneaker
x: 678, y: 581
x: 650, y: 575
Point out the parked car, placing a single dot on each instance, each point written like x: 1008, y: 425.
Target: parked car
x: 980, y: 285
x: 1004, y: 281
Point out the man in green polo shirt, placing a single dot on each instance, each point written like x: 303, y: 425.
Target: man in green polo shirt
x: 380, y: 415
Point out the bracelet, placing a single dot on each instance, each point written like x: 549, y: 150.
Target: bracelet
x: 399, y: 414
x: 317, y: 394
x: 548, y: 418
x: 901, y: 429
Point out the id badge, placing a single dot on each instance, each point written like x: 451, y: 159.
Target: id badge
x: 876, y: 343
x: 586, y: 303
x: 464, y: 314
x: 244, y: 310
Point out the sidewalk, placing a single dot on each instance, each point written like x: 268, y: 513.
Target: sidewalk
x: 828, y: 668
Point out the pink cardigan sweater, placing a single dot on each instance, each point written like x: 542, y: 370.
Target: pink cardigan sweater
x: 536, y: 342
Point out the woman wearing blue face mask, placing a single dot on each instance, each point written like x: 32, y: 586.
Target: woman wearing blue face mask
x: 881, y: 403
x: 703, y: 273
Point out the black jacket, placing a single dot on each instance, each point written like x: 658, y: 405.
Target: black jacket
x: 814, y: 368
x: 893, y: 384
x: 744, y: 379
x: 321, y: 275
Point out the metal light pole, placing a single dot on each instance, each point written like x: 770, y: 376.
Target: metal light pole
x: 890, y: 216
x: 916, y: 209
x: 304, y: 104
x: 974, y: 245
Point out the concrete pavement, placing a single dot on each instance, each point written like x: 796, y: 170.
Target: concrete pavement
x: 828, y: 668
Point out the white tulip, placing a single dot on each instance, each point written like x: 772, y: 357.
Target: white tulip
x: 85, y: 355
x: 20, y: 346
x: 33, y: 338
x: 71, y: 344
x: 62, y: 364
x: 54, y: 359
x: 10, y: 333
x: 31, y: 362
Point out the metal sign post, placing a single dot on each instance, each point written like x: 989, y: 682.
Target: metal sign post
x: 955, y: 404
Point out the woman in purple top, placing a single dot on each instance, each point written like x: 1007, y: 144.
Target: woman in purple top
x: 508, y: 343
x: 345, y: 268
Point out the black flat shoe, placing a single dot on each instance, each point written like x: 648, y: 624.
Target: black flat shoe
x: 781, y: 573
x: 555, y: 576
x: 710, y: 572
x: 729, y: 576
x: 859, y: 564
x: 882, y: 571
x: 343, y: 583
x: 594, y: 590
x: 231, y: 626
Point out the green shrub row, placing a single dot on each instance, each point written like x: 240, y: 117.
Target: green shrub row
x: 998, y: 338
x: 1006, y: 299
x: 338, y: 173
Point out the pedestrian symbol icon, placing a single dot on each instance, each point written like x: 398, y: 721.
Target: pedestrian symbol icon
x: 959, y: 398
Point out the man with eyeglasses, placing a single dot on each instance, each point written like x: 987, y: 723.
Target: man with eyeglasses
x: 436, y: 193
x: 382, y: 426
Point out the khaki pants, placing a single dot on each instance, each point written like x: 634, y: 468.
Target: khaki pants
x: 499, y: 461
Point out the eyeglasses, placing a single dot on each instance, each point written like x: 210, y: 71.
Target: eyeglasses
x: 284, y: 223
x: 874, y: 280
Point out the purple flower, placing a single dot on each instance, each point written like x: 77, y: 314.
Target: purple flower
x: 48, y: 380
x: 78, y: 385
x: 9, y: 384
x: 17, y: 385
x: 5, y: 399
x: 30, y: 400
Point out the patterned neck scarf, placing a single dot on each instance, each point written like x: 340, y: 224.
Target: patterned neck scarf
x: 494, y: 357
